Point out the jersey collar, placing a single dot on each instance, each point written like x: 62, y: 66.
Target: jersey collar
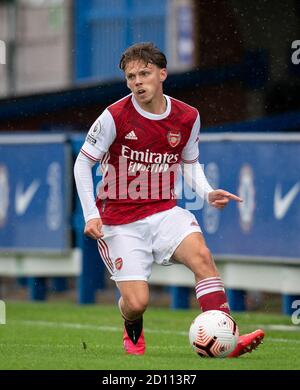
x: 149, y: 115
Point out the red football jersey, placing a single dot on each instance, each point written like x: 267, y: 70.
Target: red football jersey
x: 140, y: 153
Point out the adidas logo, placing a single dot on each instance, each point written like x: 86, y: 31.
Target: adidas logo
x: 131, y: 135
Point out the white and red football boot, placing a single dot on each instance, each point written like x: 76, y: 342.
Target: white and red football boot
x: 131, y: 348
x: 247, y: 343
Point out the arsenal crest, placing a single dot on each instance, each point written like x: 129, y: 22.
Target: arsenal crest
x: 118, y: 263
x: 174, y: 137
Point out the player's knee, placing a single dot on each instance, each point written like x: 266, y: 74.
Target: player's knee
x: 137, y: 305
x: 205, y: 262
x: 204, y: 255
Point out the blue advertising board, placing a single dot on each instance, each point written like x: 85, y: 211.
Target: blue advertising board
x: 264, y: 170
x: 266, y: 175
x: 34, y: 194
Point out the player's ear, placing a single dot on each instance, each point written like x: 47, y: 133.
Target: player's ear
x: 163, y: 74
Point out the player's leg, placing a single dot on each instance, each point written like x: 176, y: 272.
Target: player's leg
x: 178, y: 236
x: 132, y: 304
x: 184, y: 242
x: 127, y: 254
x: 194, y: 254
x: 210, y: 292
x: 134, y: 298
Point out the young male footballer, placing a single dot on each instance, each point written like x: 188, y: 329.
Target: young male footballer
x: 141, y: 141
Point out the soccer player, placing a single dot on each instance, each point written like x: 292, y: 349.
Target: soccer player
x: 141, y: 141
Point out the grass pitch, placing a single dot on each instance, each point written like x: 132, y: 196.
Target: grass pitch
x: 60, y: 336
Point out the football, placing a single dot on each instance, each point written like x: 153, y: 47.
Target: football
x: 213, y: 334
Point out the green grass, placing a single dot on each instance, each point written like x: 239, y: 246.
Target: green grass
x: 53, y: 336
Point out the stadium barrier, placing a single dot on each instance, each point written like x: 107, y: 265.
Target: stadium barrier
x: 255, y: 242
x: 35, y: 209
x: 37, y: 219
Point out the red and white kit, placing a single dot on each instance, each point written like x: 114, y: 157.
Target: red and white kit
x: 140, y: 154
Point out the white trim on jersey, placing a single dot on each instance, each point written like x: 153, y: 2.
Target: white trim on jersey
x: 190, y: 161
x: 190, y: 152
x: 88, y: 155
x: 149, y: 115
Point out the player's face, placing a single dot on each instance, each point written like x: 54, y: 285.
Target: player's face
x: 145, y: 81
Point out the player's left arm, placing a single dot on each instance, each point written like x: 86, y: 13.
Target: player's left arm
x: 195, y: 178
x: 220, y: 198
x: 194, y: 175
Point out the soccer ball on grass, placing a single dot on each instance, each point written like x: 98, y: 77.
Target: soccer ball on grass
x: 213, y: 334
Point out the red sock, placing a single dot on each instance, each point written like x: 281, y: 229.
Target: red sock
x: 211, y: 295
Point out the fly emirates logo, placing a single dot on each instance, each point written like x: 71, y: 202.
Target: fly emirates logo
x: 148, y: 161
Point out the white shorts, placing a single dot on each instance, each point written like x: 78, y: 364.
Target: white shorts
x: 129, y: 250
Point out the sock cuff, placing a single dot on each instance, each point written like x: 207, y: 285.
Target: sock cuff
x: 209, y: 285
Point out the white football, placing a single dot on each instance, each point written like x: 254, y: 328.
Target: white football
x: 213, y: 334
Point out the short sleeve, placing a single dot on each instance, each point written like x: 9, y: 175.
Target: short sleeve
x: 190, y: 152
x: 100, y: 136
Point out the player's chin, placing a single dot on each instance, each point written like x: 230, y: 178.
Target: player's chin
x: 144, y: 97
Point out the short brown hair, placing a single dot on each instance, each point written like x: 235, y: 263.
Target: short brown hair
x: 146, y: 52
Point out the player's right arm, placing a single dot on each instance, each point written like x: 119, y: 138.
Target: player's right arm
x: 99, y: 138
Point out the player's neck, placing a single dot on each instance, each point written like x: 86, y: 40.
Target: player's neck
x: 157, y: 106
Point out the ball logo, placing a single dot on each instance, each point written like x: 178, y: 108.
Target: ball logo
x: 174, y: 137
x: 119, y: 263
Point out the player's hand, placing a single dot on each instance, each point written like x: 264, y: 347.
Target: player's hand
x: 220, y: 198
x: 93, y: 228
